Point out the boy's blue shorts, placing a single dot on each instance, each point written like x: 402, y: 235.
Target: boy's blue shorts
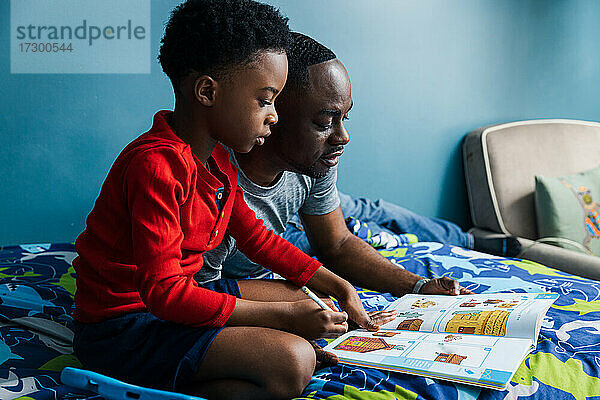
x: 142, y: 349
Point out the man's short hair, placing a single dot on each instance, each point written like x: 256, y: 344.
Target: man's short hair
x: 211, y: 36
x: 303, y: 52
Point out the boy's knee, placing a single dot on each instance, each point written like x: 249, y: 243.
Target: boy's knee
x: 296, y: 369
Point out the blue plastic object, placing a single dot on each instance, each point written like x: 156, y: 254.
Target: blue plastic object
x: 112, y: 389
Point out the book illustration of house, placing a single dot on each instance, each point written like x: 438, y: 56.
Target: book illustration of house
x: 507, y: 305
x: 422, y: 303
x: 450, y: 358
x: 451, y: 338
x: 360, y: 344
x: 493, y: 301
x: 386, y: 333
x: 412, y: 324
x: 491, y: 323
x: 471, y: 303
x: 409, y: 314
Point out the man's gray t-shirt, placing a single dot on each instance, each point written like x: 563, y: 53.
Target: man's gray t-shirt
x: 275, y: 205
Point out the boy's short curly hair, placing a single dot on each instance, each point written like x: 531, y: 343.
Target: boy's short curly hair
x: 304, y: 51
x: 209, y: 36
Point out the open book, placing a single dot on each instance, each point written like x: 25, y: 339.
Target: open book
x: 474, y: 339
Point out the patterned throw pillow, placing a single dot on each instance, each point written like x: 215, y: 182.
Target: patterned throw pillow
x: 568, y: 207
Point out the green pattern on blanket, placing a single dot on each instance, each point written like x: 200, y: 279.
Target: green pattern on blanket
x: 568, y: 376
x: 68, y: 282
x: 534, y: 268
x: 352, y: 393
x: 399, y: 252
x: 582, y: 307
x: 61, y: 362
x: 27, y: 274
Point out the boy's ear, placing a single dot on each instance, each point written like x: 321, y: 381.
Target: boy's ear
x: 204, y: 90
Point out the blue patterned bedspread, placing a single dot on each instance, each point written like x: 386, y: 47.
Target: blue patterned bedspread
x: 36, y: 299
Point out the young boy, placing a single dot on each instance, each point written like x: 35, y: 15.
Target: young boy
x: 170, y: 196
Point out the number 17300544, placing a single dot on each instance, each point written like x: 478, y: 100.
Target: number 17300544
x: 45, y: 47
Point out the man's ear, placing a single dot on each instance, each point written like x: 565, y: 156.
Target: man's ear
x: 205, y: 89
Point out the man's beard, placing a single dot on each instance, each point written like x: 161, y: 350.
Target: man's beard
x: 315, y: 171
x: 319, y: 170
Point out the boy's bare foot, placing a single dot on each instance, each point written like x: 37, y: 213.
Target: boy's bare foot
x: 324, y: 358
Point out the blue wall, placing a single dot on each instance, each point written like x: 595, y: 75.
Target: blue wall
x: 424, y: 73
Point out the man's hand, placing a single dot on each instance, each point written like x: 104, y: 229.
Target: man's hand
x: 352, y: 304
x: 444, y: 285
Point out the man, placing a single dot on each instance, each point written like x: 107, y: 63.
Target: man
x: 295, y: 172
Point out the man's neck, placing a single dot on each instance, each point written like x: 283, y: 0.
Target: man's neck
x: 259, y: 166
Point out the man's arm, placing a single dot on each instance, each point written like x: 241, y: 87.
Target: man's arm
x: 354, y: 260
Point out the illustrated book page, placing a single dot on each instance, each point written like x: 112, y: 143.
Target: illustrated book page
x: 515, y: 315
x: 482, y: 360
x: 474, y: 339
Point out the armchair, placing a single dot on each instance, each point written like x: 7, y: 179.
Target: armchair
x: 501, y: 162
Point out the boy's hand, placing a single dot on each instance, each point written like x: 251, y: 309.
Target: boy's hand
x: 329, y: 283
x: 350, y: 302
x: 310, y: 321
x: 378, y: 317
x: 444, y: 285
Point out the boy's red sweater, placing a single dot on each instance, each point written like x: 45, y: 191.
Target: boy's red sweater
x: 156, y: 214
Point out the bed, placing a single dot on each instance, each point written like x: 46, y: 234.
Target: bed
x: 37, y: 283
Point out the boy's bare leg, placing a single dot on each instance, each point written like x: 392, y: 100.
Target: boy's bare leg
x: 280, y: 290
x: 254, y: 363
